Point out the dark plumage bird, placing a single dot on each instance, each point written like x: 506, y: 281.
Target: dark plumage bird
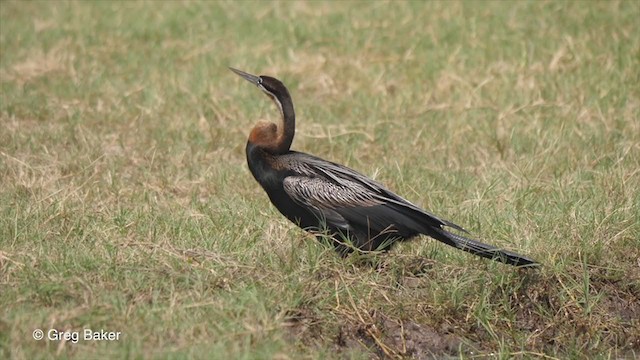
x: 323, y: 197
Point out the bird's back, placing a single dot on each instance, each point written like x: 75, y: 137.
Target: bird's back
x: 346, y: 201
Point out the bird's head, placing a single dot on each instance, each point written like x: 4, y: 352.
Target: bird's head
x: 269, y: 85
x: 275, y: 139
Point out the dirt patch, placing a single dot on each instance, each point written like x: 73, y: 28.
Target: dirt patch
x: 384, y: 337
x: 421, y: 341
x: 555, y: 312
x: 394, y: 338
x: 301, y: 325
x: 541, y: 313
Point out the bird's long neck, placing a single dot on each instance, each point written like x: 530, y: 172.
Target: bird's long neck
x: 287, y: 129
x: 272, y: 138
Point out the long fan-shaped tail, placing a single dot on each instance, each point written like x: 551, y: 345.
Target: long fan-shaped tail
x: 481, y: 249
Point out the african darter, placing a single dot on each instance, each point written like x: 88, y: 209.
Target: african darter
x: 323, y: 197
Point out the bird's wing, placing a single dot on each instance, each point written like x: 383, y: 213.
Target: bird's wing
x: 344, y: 177
x: 317, y: 191
x: 351, y: 201
x: 327, y: 198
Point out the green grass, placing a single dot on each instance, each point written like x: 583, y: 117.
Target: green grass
x: 126, y: 204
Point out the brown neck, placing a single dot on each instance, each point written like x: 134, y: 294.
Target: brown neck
x: 276, y: 139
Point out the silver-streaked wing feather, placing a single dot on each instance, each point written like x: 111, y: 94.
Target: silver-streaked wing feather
x: 311, y: 166
x: 326, y: 198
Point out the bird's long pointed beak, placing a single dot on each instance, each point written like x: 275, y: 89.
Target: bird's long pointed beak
x: 250, y: 78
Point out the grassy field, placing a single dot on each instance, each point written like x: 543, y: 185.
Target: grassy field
x: 126, y: 204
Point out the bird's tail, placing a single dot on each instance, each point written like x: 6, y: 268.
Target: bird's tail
x: 481, y: 249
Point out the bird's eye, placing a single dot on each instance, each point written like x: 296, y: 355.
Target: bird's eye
x: 259, y: 81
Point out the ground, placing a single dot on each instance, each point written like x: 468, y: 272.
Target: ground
x: 126, y: 204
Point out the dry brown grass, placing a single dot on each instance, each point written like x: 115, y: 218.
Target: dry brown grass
x: 126, y: 204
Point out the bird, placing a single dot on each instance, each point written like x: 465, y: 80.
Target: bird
x: 338, y: 203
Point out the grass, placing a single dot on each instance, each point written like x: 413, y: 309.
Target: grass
x: 126, y: 204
